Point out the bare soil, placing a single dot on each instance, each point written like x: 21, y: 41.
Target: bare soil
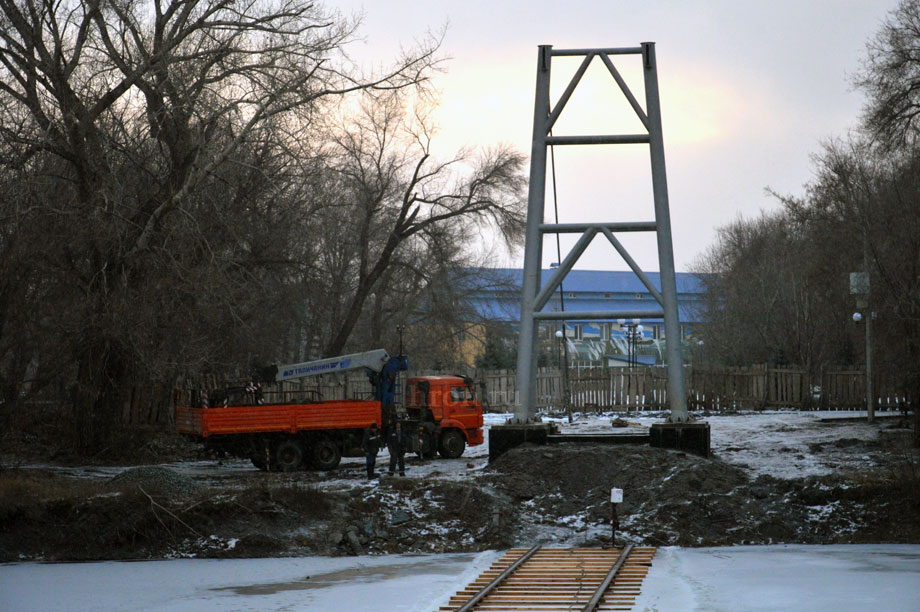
x: 558, y: 494
x: 680, y: 499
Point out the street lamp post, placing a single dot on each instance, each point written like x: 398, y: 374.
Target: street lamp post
x: 564, y: 366
x: 860, y: 287
x: 633, y: 333
x: 637, y: 335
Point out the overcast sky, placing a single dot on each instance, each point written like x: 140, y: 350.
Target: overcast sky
x: 749, y: 90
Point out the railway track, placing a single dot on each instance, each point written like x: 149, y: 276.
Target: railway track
x: 549, y: 579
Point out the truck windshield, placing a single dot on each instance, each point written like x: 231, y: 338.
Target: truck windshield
x: 460, y: 394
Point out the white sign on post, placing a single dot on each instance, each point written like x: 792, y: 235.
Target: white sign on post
x: 616, y: 496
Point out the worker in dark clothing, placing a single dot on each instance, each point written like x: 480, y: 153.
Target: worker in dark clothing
x: 396, y: 443
x: 371, y: 445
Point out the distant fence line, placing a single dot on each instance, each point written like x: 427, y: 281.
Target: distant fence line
x: 590, y: 389
x: 717, y: 389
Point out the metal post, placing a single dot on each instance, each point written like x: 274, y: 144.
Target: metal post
x: 870, y: 400
x: 634, y: 361
x: 525, y: 405
x: 616, y: 497
x: 676, y: 389
x: 566, y: 395
x: 614, y: 524
x: 628, y: 348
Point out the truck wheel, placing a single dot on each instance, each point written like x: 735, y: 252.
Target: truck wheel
x: 288, y: 456
x: 326, y: 454
x: 452, y: 444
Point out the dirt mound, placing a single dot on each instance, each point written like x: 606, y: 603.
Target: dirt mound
x: 672, y: 498
x: 582, y: 473
x: 153, y: 512
x: 409, y: 515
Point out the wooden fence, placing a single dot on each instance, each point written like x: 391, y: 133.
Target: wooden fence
x: 645, y: 388
x: 590, y: 389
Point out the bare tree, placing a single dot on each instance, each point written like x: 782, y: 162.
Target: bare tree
x: 862, y: 212
x: 765, y: 288
x: 132, y: 121
x: 891, y: 77
x: 402, y: 214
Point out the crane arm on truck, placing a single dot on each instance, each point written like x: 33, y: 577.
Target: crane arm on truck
x: 374, y: 361
x: 381, y: 369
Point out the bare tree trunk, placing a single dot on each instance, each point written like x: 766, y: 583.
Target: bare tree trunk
x: 96, y: 397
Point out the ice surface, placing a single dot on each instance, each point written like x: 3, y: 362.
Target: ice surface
x: 342, y: 584
x: 732, y: 579
x: 836, y: 578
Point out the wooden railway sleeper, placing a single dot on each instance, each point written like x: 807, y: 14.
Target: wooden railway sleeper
x: 560, y: 577
x: 475, y: 599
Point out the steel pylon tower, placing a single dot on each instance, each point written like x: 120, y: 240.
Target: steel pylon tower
x: 533, y: 297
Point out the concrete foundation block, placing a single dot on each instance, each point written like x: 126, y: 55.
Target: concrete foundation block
x: 505, y: 437
x: 689, y: 437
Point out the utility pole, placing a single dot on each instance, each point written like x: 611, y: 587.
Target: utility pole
x: 860, y: 287
x: 870, y: 392
x: 564, y: 350
x: 870, y: 395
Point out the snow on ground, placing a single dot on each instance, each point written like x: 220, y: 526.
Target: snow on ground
x: 777, y: 443
x: 783, y: 578
x: 731, y: 579
x: 774, y: 442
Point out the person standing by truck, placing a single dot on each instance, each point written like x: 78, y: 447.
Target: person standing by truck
x: 371, y: 445
x: 396, y: 443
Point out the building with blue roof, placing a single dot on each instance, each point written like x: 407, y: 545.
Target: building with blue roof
x: 496, y: 296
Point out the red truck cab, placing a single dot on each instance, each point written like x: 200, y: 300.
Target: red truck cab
x: 449, y: 414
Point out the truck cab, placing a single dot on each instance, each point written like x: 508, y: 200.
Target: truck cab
x: 449, y: 415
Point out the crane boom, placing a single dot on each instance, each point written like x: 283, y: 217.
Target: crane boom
x: 372, y: 360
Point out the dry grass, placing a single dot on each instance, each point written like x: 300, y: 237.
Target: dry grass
x: 20, y: 488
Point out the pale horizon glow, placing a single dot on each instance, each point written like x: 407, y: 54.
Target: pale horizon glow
x: 748, y: 94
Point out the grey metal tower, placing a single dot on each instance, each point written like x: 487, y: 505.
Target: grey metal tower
x: 533, y: 297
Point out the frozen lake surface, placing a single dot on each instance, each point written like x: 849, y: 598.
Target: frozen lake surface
x: 395, y: 582
x: 732, y: 579
x: 838, y: 578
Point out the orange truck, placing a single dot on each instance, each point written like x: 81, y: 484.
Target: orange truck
x: 441, y: 414
x: 448, y: 414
